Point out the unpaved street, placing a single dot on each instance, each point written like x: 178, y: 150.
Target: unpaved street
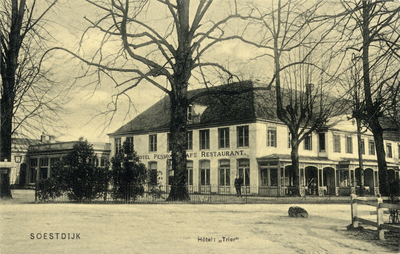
x: 178, y: 228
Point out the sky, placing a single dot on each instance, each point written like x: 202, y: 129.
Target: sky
x: 82, y: 114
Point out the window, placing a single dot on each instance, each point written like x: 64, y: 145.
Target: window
x: 308, y: 142
x: 349, y: 144
x: 152, y: 173
x: 269, y: 173
x: 204, y: 139
x: 371, y: 147
x: 321, y: 139
x: 189, y: 137
x: 274, y: 176
x: 271, y: 137
x: 189, y: 113
x: 32, y: 170
x: 244, y: 171
x: 205, y: 172
x: 170, y: 173
x: 117, y: 145
x: 362, y: 146
x: 336, y: 143
x: 189, y: 166
x: 398, y: 151
x: 103, y: 161
x: 153, y: 143
x: 169, y: 142
x: 44, y: 164
x: 243, y: 136
x: 53, y: 162
x: 224, y: 173
x: 389, y: 150
x: 223, y: 137
x: 129, y: 140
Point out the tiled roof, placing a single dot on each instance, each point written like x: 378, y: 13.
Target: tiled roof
x: 224, y: 104
x: 242, y: 102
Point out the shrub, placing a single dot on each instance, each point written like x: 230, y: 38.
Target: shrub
x: 128, y: 174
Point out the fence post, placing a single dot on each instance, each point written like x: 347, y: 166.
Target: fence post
x: 379, y: 219
x: 354, y: 210
x: 36, y: 191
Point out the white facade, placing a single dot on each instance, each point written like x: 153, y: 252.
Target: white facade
x: 328, y: 162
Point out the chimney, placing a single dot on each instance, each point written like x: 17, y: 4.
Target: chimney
x: 43, y: 137
x: 52, y: 138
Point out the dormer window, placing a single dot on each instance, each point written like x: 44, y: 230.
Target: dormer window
x: 189, y: 113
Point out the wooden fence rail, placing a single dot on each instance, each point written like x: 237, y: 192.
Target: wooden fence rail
x: 378, y: 203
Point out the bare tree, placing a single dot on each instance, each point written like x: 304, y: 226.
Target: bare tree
x: 297, y: 40
x: 23, y: 100
x: 372, y: 32
x: 162, y: 40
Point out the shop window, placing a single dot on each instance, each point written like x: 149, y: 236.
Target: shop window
x: 204, y: 139
x: 389, y: 152
x: 349, y: 144
x: 117, y: 145
x: 371, y: 147
x: 308, y: 142
x: 271, y: 137
x: 153, y: 143
x: 336, y: 144
x: 243, y: 136
x: 223, y: 137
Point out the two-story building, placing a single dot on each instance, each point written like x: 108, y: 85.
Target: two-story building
x: 231, y: 132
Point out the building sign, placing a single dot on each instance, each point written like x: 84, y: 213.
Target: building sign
x: 202, y: 154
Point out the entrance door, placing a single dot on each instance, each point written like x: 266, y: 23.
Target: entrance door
x: 244, y: 173
x: 205, y: 186
x: 224, y: 177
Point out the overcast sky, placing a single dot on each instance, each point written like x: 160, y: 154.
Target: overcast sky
x: 67, y: 25
x: 82, y: 116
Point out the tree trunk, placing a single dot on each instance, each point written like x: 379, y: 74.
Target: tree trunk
x: 179, y: 191
x: 382, y: 166
x: 360, y: 156
x: 372, y: 109
x: 294, y: 155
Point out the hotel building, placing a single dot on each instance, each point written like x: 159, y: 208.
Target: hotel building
x: 232, y: 133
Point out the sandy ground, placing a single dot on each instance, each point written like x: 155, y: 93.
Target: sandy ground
x: 182, y: 228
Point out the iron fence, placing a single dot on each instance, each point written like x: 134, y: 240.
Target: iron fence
x: 131, y: 194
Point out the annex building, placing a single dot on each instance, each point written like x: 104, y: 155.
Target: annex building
x: 231, y: 132
x: 42, y: 156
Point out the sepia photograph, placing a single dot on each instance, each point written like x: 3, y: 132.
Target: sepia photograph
x: 200, y: 126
